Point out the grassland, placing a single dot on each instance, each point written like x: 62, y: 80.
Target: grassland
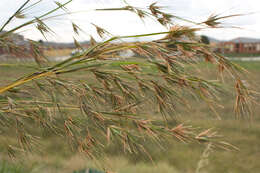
x: 55, y: 155
x: 57, y: 52
x: 237, y: 55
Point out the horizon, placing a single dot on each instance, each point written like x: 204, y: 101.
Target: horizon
x: 220, y: 40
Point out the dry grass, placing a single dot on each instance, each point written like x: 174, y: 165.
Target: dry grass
x: 57, y: 52
x: 102, y: 111
x: 177, y: 157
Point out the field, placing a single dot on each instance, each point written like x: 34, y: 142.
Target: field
x: 176, y: 157
x: 57, y: 52
x: 236, y: 55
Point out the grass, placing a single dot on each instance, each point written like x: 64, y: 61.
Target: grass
x: 56, y: 156
x: 238, y: 55
x: 14, y: 70
x: 57, y: 52
x: 78, y: 111
x: 251, y: 66
x: 6, y: 167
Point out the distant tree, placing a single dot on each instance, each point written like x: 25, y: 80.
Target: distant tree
x: 205, y: 39
x: 40, y: 41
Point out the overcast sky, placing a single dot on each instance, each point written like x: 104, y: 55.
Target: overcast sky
x: 126, y: 23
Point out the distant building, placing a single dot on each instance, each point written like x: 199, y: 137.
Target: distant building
x: 15, y: 45
x: 240, y: 46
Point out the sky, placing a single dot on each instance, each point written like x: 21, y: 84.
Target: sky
x: 127, y: 23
